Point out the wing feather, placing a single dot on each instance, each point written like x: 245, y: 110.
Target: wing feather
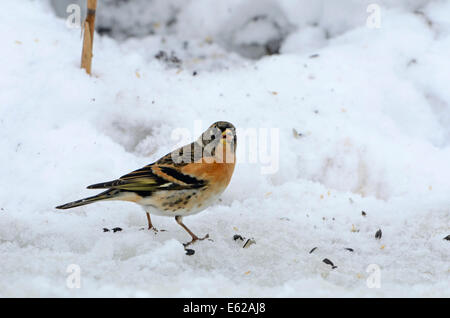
x: 164, y: 174
x: 151, y: 178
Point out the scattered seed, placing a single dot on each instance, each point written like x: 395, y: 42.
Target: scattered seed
x: 296, y: 133
x: 314, y: 248
x: 116, y: 229
x: 248, y: 243
x: 171, y: 60
x: 411, y: 62
x: 349, y: 249
x: 328, y: 262
x: 378, y: 234
x: 189, y: 251
x: 105, y: 229
x: 445, y: 238
x: 314, y: 56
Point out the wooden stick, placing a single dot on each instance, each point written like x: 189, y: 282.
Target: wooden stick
x: 88, y: 41
x: 86, y: 54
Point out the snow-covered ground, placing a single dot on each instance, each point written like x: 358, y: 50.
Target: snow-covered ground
x: 371, y: 113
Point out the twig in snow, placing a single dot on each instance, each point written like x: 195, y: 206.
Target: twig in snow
x: 88, y: 41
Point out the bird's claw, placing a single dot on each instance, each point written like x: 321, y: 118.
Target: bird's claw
x: 155, y: 230
x: 195, y: 239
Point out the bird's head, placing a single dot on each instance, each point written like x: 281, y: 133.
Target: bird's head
x: 221, y: 135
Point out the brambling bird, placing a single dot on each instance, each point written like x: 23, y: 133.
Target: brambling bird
x: 183, y: 182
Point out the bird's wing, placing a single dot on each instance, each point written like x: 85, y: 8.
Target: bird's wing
x: 153, y: 177
x: 164, y: 174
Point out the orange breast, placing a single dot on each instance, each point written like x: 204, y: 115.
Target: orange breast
x: 217, y: 174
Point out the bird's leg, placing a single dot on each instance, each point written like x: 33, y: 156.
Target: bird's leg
x: 179, y: 220
x: 150, y: 225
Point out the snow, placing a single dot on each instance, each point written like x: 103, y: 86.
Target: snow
x: 371, y: 108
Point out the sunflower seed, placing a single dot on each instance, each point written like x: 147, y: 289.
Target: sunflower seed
x: 296, y: 133
x: 189, y: 251
x: 314, y: 248
x: 328, y: 262
x: 378, y: 234
x: 248, y: 243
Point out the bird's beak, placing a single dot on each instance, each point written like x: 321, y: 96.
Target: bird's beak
x: 226, y: 137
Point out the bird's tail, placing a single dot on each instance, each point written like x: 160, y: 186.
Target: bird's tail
x: 108, y: 194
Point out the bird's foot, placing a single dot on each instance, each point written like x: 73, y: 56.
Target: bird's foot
x: 195, y: 239
x: 154, y: 229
